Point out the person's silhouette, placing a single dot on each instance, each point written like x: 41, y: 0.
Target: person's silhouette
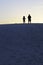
x: 24, y: 19
x: 29, y: 18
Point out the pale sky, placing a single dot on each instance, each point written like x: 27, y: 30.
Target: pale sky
x: 12, y: 11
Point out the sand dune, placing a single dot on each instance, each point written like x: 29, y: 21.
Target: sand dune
x: 21, y: 44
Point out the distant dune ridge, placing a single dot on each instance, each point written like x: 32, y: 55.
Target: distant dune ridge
x: 21, y: 44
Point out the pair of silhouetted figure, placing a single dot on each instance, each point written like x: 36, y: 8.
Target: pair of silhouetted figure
x: 29, y: 18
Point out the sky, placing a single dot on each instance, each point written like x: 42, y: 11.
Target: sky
x: 12, y: 11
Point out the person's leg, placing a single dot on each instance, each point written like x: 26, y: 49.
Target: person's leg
x: 28, y: 21
x: 24, y: 20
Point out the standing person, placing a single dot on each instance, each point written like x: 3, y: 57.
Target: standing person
x: 24, y: 19
x: 29, y: 18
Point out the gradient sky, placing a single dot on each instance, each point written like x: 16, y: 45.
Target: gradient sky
x: 12, y: 11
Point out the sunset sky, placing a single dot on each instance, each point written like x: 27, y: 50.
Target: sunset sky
x: 12, y: 11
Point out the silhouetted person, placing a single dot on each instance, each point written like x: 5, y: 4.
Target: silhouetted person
x: 24, y: 19
x: 29, y: 18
